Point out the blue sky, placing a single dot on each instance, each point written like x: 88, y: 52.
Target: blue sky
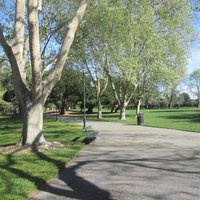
x: 193, y: 61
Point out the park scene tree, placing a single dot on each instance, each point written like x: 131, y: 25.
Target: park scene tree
x: 32, y: 97
x: 74, y: 72
x: 129, y: 53
x: 194, y: 84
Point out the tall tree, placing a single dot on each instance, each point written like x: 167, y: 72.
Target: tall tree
x: 32, y: 97
x: 152, y: 44
x: 135, y: 41
x: 91, y: 57
x: 194, y: 84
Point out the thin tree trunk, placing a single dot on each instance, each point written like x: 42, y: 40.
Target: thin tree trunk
x: 99, y: 116
x: 170, y: 105
x: 90, y: 108
x: 138, y: 107
x: 112, y: 108
x: 122, y: 111
x: 117, y: 108
x: 100, y: 89
x: 63, y: 106
x: 170, y: 102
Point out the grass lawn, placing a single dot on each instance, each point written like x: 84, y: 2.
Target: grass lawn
x: 22, y: 173
x: 180, y: 119
x: 187, y: 119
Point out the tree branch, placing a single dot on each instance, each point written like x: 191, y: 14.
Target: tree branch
x: 4, y: 43
x: 34, y: 45
x: 112, y: 85
x: 50, y: 35
x: 18, y: 40
x: 88, y: 69
x: 26, y: 46
x: 50, y: 61
x: 3, y: 59
x: 20, y: 86
x: 104, y: 87
x: 55, y: 74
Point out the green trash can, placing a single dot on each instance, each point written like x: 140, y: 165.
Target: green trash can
x: 140, y: 119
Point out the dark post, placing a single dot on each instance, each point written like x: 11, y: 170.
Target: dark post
x: 84, y: 102
x: 57, y: 113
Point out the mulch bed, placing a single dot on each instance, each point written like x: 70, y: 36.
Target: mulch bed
x: 40, y: 148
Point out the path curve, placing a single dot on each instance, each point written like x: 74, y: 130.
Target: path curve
x: 131, y: 163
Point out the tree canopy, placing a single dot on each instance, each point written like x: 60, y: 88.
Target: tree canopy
x: 134, y: 46
x: 137, y: 43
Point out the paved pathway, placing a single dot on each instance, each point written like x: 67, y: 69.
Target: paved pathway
x: 131, y: 163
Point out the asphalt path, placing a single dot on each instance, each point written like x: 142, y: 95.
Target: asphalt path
x: 131, y: 163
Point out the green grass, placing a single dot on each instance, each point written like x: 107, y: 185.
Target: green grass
x: 187, y: 119
x: 180, y: 119
x: 22, y: 173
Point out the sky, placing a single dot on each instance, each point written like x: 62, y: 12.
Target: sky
x: 193, y: 61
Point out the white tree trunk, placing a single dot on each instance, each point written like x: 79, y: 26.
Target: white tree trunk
x: 33, y: 124
x: 99, y: 116
x: 138, y: 107
x: 123, y: 111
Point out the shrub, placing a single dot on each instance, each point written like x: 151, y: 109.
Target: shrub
x: 6, y: 106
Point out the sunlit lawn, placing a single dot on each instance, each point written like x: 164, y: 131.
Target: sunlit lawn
x: 21, y: 173
x: 181, y: 119
x: 187, y: 119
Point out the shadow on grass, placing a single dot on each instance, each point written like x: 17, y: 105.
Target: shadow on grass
x: 9, y: 161
x: 177, y: 115
x: 10, y: 131
x: 173, y: 110
x: 195, y: 117
x: 81, y: 188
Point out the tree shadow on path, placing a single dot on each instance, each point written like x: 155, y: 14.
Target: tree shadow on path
x: 79, y: 188
x: 70, y: 185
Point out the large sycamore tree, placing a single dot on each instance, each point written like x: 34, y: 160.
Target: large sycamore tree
x: 141, y: 40
x: 24, y: 46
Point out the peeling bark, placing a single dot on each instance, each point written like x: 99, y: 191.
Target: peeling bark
x: 32, y: 100
x: 33, y: 124
x: 122, y: 115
